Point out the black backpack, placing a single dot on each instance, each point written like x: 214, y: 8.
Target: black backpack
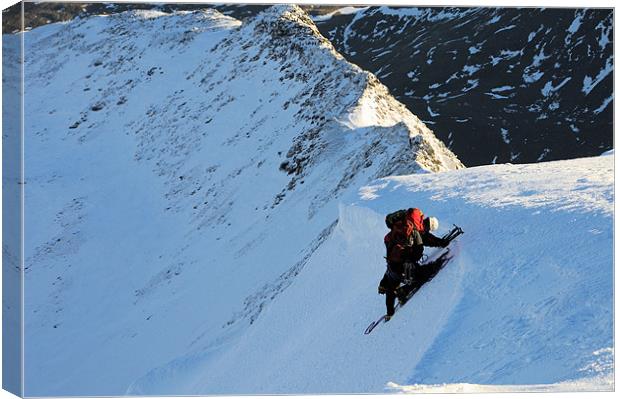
x: 394, y: 217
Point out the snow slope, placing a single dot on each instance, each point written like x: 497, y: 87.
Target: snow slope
x: 203, y: 217
x: 11, y: 217
x: 525, y: 305
x: 181, y: 169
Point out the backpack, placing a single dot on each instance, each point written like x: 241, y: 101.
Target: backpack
x: 397, y: 220
x: 399, y: 240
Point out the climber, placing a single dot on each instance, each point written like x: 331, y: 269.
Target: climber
x: 409, y: 233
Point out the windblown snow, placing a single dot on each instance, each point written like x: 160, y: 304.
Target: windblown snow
x: 204, y: 217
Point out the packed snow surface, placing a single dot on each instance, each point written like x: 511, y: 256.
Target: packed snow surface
x: 526, y: 304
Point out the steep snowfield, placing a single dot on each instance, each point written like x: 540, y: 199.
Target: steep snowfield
x: 525, y: 305
x: 181, y: 169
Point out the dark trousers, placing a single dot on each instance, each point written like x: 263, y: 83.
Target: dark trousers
x: 393, y: 288
x: 390, y: 286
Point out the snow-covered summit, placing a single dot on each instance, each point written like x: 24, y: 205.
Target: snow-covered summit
x: 289, y: 36
x: 181, y: 169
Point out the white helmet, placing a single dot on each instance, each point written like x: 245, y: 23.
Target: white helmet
x: 433, y: 223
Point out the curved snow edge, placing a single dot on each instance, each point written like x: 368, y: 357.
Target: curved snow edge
x: 602, y: 383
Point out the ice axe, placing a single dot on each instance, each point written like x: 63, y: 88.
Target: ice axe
x: 455, y: 232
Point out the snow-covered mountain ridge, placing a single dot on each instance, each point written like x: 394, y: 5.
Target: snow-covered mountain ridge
x: 181, y: 169
x: 497, y: 84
